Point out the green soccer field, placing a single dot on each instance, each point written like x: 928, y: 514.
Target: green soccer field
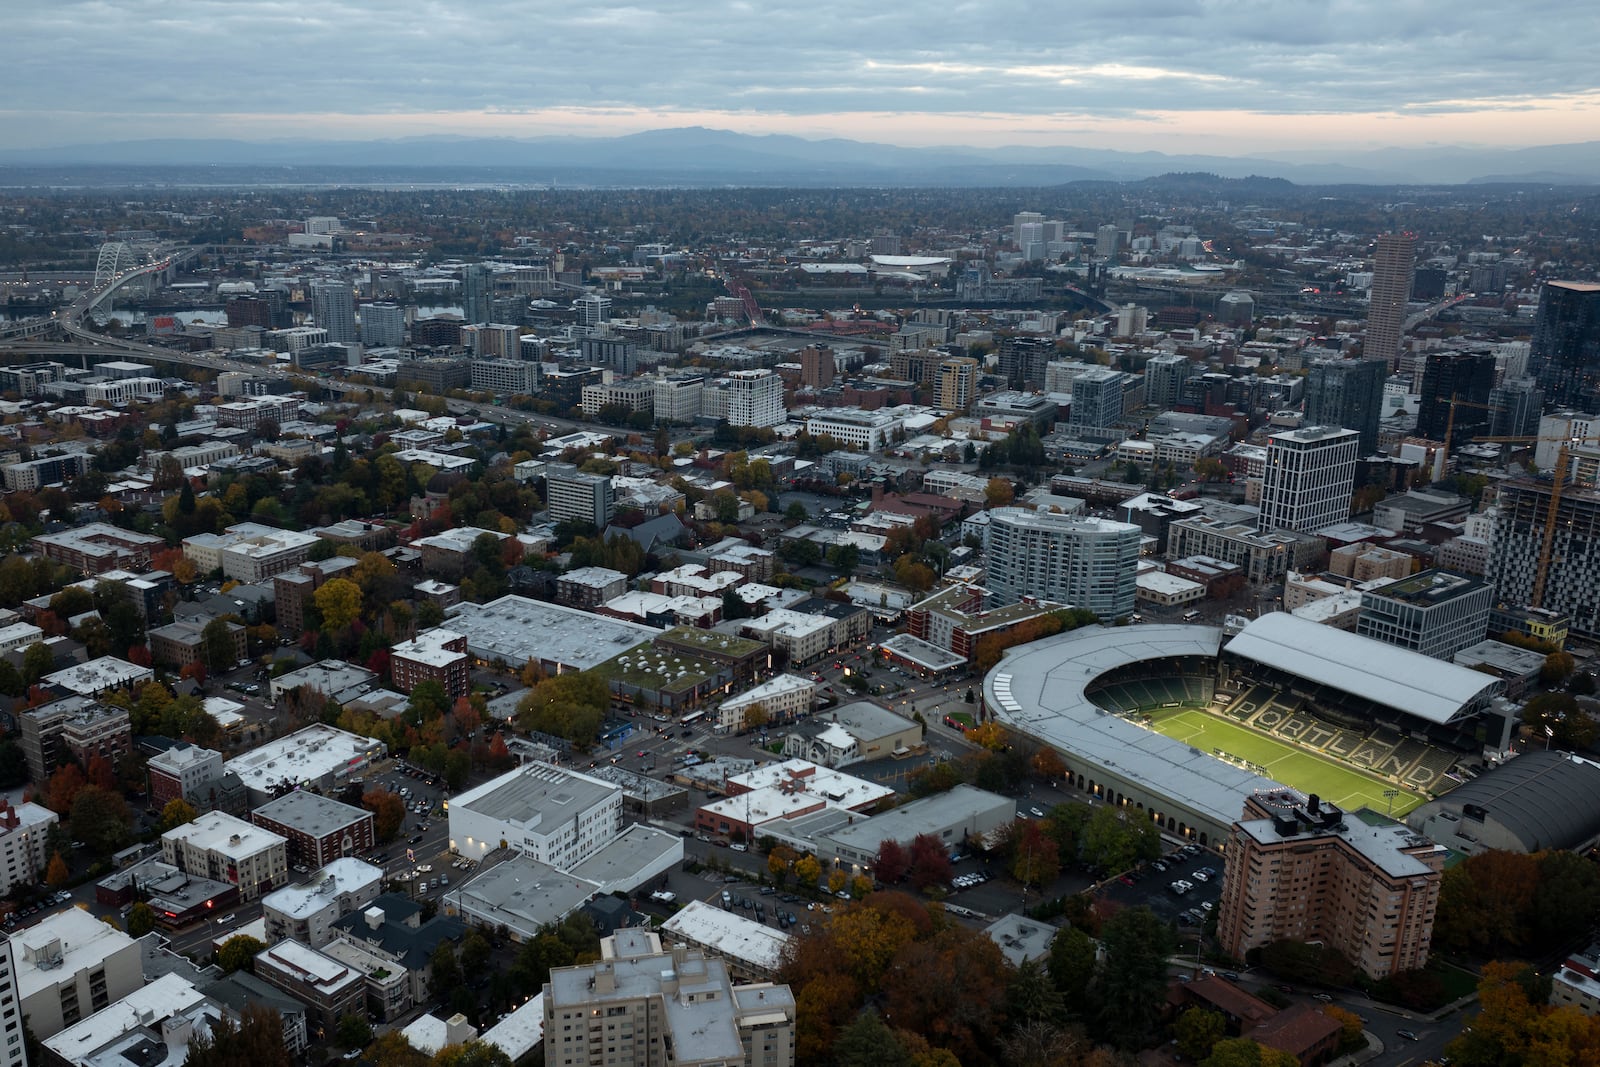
x: 1297, y: 767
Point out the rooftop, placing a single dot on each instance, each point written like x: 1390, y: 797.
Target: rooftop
x: 516, y: 629
x: 727, y: 934
x: 522, y: 894
x: 429, y: 647
x: 57, y: 947
x: 303, y: 756
x: 1546, y: 799
x: 519, y: 1033
x: 931, y: 814
x: 1393, y: 677
x: 98, y: 675
x: 1021, y: 938
x: 311, y: 813
x: 306, y: 965
x: 217, y: 831
x: 1430, y: 587
x: 536, y: 794
x: 137, y: 1018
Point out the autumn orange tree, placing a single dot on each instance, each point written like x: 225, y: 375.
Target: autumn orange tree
x: 1513, y: 1025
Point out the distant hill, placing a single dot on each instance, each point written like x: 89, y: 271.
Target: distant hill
x: 700, y: 156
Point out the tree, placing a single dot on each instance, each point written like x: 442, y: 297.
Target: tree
x: 755, y: 717
x: 100, y: 819
x: 1243, y: 1052
x: 339, y: 602
x: 1558, y: 717
x: 63, y: 788
x: 807, y: 870
x: 1072, y: 965
x: 1484, y: 903
x: 999, y: 492
x: 1033, y: 997
x: 141, y: 919
x: 930, y: 862
x: 428, y: 701
x: 388, y: 813
x: 867, y: 1042
x: 56, y: 874
x: 1134, y: 975
x: 893, y: 862
x: 391, y: 1049
x: 37, y: 662
x: 353, y: 1031
x: 444, y: 969
x: 256, y: 1039
x: 571, y: 705
x: 951, y: 989
x: 1197, y: 1030
x: 470, y: 1054
x: 217, y: 645
x: 474, y: 953
x: 239, y: 952
x: 1558, y: 667
x: 1032, y: 856
x: 176, y: 813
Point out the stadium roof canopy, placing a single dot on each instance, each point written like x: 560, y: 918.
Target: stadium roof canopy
x: 1384, y: 674
x: 1038, y: 688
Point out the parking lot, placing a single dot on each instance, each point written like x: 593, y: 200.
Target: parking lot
x: 1183, y: 893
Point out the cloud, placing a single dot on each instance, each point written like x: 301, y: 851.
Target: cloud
x: 139, y: 68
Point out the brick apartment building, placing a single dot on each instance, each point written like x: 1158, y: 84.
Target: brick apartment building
x: 318, y: 830
x: 439, y: 655
x: 1301, y: 870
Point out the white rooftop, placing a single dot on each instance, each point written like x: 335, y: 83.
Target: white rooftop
x: 1394, y: 677
x: 304, y: 755
x: 98, y: 675
x: 305, y: 964
x: 219, y: 832
x: 169, y: 995
x: 517, y: 629
x: 59, y: 946
x: 727, y: 934
x: 775, y: 686
x: 519, y: 1033
x: 428, y: 647
x: 304, y: 899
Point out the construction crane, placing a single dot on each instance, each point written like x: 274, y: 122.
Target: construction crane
x: 1552, y: 510
x: 1450, y: 426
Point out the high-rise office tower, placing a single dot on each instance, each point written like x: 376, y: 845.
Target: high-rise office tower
x: 477, y: 293
x: 1566, y: 344
x: 1392, y: 264
x: 1309, y: 478
x: 1572, y: 572
x: 593, y: 309
x: 755, y: 398
x: 333, y: 306
x: 1467, y: 377
x: 1021, y: 219
x: 957, y: 383
x: 1514, y: 407
x: 1347, y: 393
x: 1099, y: 398
x: 1022, y: 359
x: 1106, y: 239
x: 1164, y: 376
x: 1085, y: 562
x: 383, y: 325
x: 817, y: 366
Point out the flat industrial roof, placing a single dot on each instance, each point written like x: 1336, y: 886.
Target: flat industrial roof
x: 728, y: 934
x: 536, y: 794
x: 311, y: 813
x: 1385, y: 674
x: 1038, y: 688
x: 517, y: 629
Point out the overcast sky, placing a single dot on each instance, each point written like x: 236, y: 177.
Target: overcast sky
x: 1171, y: 75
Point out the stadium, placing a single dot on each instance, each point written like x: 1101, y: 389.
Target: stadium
x: 1178, y: 722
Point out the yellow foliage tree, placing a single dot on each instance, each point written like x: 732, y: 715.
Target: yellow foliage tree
x: 339, y: 601
x: 807, y: 870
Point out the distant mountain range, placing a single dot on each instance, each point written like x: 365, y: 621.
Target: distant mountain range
x: 699, y: 156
